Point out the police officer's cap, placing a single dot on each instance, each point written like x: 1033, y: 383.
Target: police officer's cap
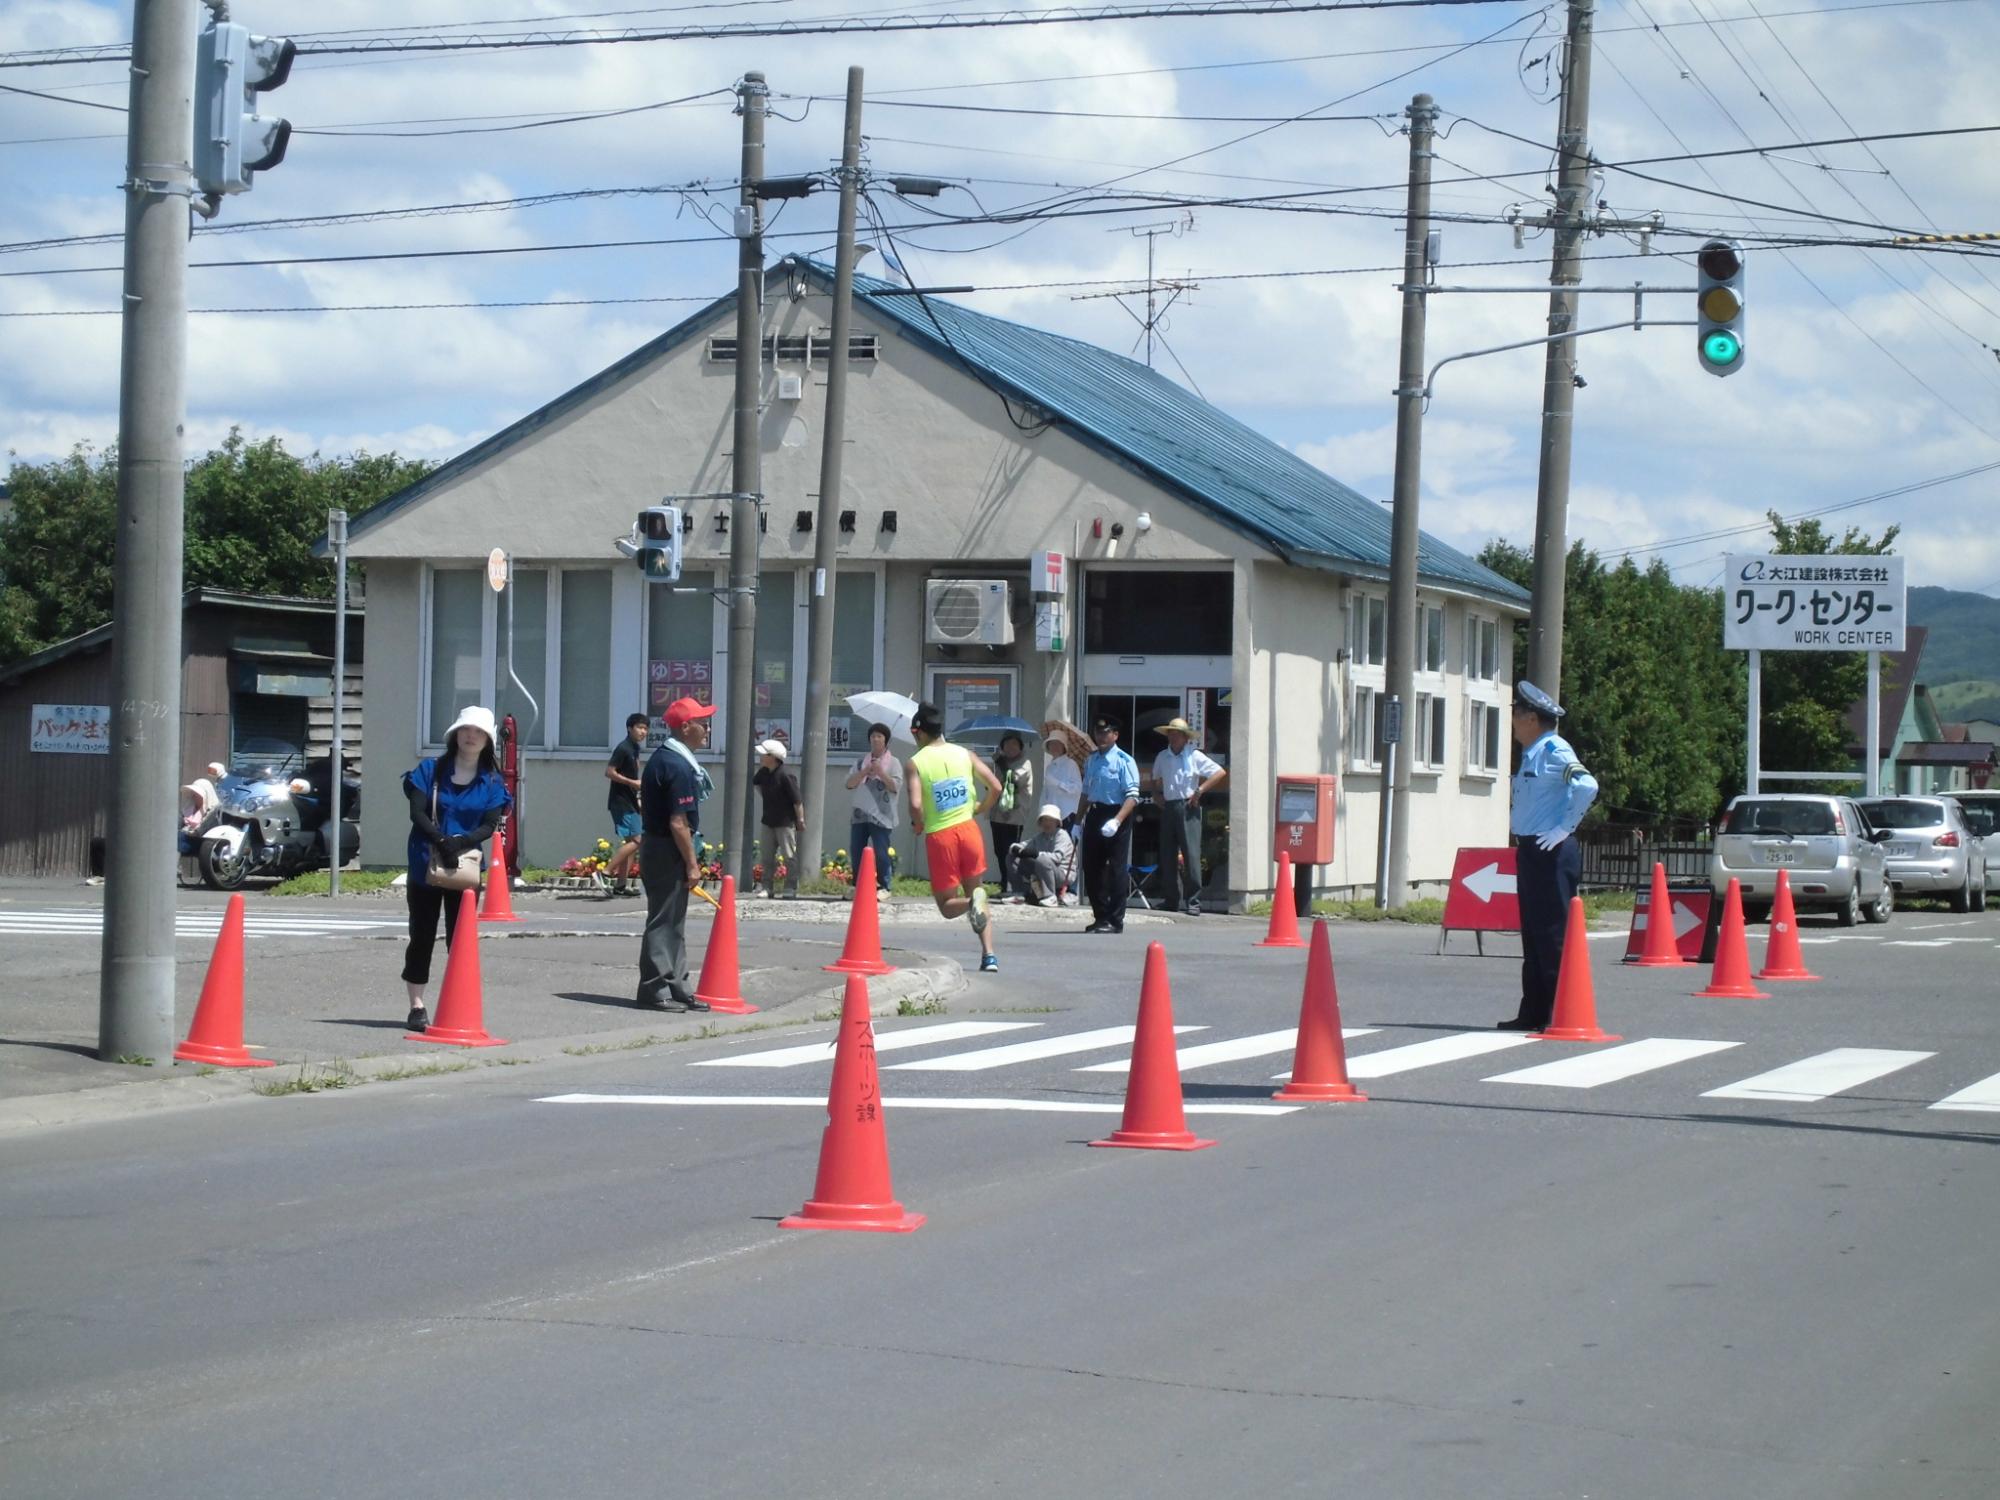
x: 1527, y: 695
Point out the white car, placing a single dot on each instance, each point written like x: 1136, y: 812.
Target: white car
x: 1982, y: 816
x: 1832, y: 857
x: 1930, y: 849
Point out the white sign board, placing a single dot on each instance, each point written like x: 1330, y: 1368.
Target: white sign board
x: 496, y: 570
x: 70, y: 729
x: 1841, y: 603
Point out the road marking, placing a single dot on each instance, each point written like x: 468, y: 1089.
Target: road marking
x: 1983, y: 1096
x: 1048, y: 1046
x: 1021, y: 1106
x: 1609, y: 1065
x: 77, y: 922
x: 1930, y: 942
x: 885, y: 1041
x: 1441, y: 1049
x: 1263, y: 1044
x: 1931, y: 926
x: 1817, y: 1077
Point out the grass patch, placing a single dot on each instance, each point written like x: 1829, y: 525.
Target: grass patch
x: 418, y: 1070
x: 1608, y: 903
x: 592, y: 1049
x: 310, y: 1080
x: 508, y: 1062
x: 1017, y: 1010
x: 909, y: 885
x: 1425, y: 913
x: 352, y: 883
x: 133, y: 1060
x: 930, y: 1005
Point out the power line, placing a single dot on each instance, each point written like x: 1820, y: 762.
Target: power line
x: 62, y: 99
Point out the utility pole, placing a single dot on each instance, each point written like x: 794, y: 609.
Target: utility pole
x: 336, y: 536
x: 136, y: 975
x: 819, y: 623
x: 1392, y: 851
x: 747, y: 482
x: 1545, y: 620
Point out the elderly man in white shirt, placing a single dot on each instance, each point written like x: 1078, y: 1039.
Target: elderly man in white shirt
x: 1182, y: 776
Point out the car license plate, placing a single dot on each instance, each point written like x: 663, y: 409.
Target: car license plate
x: 1902, y: 851
x: 1781, y: 856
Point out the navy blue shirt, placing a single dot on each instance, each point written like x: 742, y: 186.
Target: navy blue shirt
x: 460, y: 809
x: 669, y: 786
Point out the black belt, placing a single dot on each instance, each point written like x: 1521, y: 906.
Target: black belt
x: 1527, y: 840
x: 1111, y: 807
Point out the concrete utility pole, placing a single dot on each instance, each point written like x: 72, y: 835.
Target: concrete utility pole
x: 136, y: 977
x: 747, y: 481
x: 819, y: 623
x: 1392, y: 854
x: 1545, y: 620
x: 336, y: 536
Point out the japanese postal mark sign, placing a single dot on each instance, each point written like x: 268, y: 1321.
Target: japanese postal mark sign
x: 70, y: 729
x: 1483, y: 893
x: 1841, y: 603
x: 1690, y: 916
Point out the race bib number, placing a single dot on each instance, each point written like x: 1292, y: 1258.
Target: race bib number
x: 950, y: 794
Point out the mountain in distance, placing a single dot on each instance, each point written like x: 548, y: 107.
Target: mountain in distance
x: 1961, y: 664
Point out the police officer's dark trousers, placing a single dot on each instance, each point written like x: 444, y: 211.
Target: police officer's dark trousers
x: 1107, y: 864
x: 1546, y: 881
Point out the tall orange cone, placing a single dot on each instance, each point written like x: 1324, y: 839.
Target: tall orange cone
x: 853, y: 1190
x: 1731, y: 977
x: 720, y: 985
x: 1661, y: 950
x: 460, y: 1022
x: 1319, y: 1062
x: 1576, y: 997
x: 499, y: 905
x: 1782, y: 957
x: 1284, y: 929
x: 1153, y: 1118
x: 862, y: 953
x: 216, y: 1037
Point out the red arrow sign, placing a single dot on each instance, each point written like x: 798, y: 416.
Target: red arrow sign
x: 1483, y: 895
x: 1690, y: 911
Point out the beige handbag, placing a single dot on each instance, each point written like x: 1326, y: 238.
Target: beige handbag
x: 460, y: 876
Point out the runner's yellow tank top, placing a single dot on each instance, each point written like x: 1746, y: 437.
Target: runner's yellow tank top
x: 945, y: 772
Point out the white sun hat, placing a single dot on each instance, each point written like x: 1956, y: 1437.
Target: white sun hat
x: 472, y: 716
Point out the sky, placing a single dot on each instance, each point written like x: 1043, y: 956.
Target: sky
x: 1867, y: 370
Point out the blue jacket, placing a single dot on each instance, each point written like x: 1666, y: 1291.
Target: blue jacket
x: 460, y: 810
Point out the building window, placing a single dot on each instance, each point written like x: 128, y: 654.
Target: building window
x: 1482, y: 739
x: 521, y: 681
x: 772, y: 677
x: 1426, y: 734
x: 853, y: 659
x: 1430, y: 639
x: 1482, y: 649
x: 457, y: 602
x: 583, y: 681
x: 1361, y: 749
x: 680, y: 648
x: 1368, y: 623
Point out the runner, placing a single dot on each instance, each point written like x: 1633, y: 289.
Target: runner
x: 941, y: 803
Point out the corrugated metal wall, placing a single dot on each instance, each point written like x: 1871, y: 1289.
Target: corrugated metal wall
x: 52, y: 805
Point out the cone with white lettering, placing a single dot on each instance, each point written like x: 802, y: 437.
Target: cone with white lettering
x: 1782, y: 956
x: 721, y: 984
x: 1576, y: 997
x: 862, y: 952
x: 460, y: 1014
x: 1154, y: 1119
x: 1284, y: 929
x: 216, y: 1037
x: 1661, y: 950
x: 1730, y: 979
x: 853, y: 1190
x: 1319, y: 1062
x: 499, y: 905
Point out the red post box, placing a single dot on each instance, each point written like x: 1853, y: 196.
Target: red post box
x: 1305, y: 819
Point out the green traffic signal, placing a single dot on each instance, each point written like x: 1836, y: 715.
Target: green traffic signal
x: 1721, y: 347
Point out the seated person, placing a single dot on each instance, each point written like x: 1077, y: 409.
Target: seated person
x: 1045, y: 862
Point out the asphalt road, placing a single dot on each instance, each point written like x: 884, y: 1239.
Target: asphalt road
x: 1525, y: 1287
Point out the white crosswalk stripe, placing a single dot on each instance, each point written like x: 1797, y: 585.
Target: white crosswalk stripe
x: 1591, y: 1070
x: 1815, y: 1078
x: 1983, y: 1096
x: 1263, y: 1044
x: 1019, y: 1052
x: 89, y: 922
x: 1428, y: 1054
x: 885, y: 1041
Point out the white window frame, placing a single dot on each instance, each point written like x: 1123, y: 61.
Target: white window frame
x: 1476, y: 711
x: 1425, y: 614
x: 1363, y: 708
x: 1430, y: 741
x: 1360, y: 605
x: 1475, y: 626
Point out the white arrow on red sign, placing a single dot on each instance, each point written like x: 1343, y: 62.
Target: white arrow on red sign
x: 1685, y: 920
x: 1487, y: 882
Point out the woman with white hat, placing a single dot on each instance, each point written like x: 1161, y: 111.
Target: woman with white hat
x: 457, y: 800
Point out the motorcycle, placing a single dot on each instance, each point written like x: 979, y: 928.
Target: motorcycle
x: 269, y: 816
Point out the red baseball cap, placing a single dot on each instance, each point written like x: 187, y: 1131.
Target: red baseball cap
x: 683, y: 710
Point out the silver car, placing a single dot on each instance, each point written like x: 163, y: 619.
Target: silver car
x: 1931, y: 849
x: 1831, y: 855
x: 1982, y: 816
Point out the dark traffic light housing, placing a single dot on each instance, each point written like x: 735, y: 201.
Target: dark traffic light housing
x: 1719, y: 307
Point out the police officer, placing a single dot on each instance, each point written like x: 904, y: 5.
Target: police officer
x: 1552, y: 791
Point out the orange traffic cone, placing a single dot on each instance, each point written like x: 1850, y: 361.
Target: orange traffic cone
x: 1153, y: 1115
x: 1319, y: 1063
x: 853, y: 1190
x: 720, y: 985
x: 1576, y: 997
x: 862, y: 953
x: 499, y: 905
x: 460, y: 1022
x: 1782, y: 958
x: 1731, y: 977
x: 216, y: 1037
x: 1284, y: 929
x: 1661, y: 949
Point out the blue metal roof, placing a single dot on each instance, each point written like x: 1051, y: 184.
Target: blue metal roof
x: 1162, y: 430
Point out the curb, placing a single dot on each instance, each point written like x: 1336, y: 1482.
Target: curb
x: 935, y: 977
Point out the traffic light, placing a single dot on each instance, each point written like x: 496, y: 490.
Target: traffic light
x: 1719, y: 307
x: 231, y: 140
x: 660, y: 543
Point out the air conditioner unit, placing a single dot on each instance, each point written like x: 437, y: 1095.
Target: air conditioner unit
x: 967, y: 612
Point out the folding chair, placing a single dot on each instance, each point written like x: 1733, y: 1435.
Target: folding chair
x: 1140, y: 875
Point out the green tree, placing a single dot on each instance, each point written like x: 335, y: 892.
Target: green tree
x: 254, y: 512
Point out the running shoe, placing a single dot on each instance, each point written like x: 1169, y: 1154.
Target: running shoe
x: 977, y: 916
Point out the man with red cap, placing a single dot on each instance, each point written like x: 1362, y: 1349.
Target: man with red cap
x: 670, y: 795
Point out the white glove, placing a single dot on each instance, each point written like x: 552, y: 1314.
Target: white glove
x: 1110, y: 828
x: 1548, y: 841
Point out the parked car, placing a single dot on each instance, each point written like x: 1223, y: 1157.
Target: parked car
x: 1832, y: 855
x: 1982, y: 816
x: 1931, y: 848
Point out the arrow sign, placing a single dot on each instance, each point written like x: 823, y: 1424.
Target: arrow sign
x: 1685, y: 919
x: 1484, y: 892
x: 1487, y: 882
x: 1690, y: 914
